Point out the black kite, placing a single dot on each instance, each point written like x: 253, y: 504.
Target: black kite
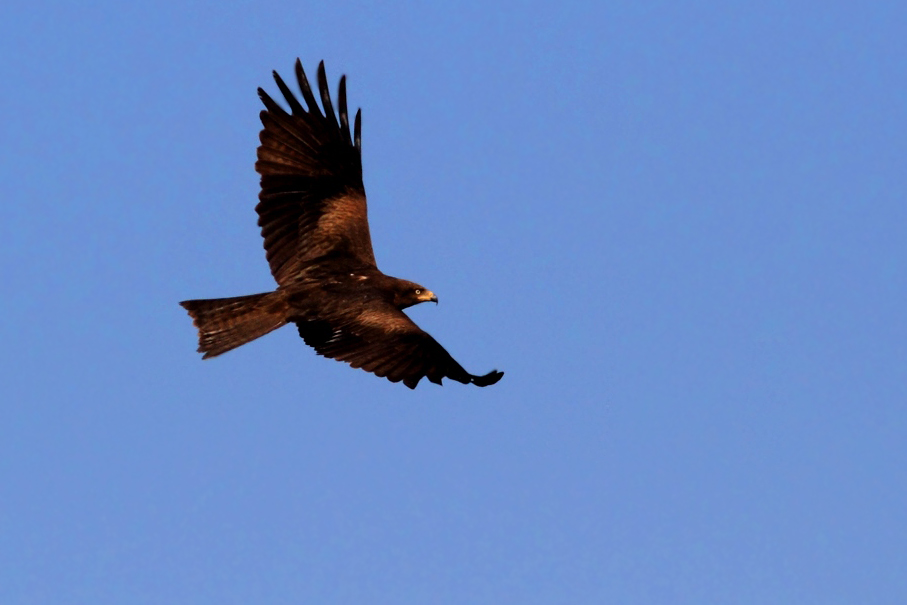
x: 312, y: 214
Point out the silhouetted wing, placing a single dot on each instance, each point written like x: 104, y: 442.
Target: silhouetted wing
x: 312, y: 200
x: 383, y: 340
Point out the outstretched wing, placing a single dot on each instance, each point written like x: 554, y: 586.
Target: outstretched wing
x: 383, y: 340
x: 312, y: 200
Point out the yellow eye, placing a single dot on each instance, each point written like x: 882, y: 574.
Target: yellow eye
x: 418, y: 290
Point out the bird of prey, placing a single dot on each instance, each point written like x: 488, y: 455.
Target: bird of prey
x: 312, y: 214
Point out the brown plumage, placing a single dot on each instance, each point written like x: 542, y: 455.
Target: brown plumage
x: 313, y: 219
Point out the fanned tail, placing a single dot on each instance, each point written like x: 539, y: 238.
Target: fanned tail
x: 226, y: 323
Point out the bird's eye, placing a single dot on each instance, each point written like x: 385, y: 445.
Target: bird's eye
x: 418, y: 290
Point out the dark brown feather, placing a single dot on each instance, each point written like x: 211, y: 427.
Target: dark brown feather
x: 226, y: 323
x: 313, y: 218
x: 312, y: 201
x: 388, y: 344
x: 306, y: 89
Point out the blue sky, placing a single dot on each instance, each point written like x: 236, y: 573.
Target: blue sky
x: 679, y: 227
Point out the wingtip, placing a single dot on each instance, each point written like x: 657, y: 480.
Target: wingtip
x: 325, y: 92
x: 357, y: 130
x: 488, y: 379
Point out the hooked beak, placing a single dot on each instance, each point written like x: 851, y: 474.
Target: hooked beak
x: 428, y: 296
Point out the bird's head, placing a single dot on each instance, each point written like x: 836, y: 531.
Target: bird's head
x: 408, y: 294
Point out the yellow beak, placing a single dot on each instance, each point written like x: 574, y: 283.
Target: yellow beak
x: 428, y: 296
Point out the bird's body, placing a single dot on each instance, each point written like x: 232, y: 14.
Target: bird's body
x: 312, y: 214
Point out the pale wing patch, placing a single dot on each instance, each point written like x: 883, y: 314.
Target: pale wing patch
x: 393, y: 321
x: 344, y: 223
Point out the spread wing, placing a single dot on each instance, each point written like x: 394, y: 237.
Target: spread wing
x: 383, y: 340
x: 312, y: 200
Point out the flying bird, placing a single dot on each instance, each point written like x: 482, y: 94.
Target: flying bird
x: 312, y: 214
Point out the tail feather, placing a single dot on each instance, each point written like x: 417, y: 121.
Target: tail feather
x: 226, y: 323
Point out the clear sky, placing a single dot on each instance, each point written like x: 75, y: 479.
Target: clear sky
x: 680, y: 228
